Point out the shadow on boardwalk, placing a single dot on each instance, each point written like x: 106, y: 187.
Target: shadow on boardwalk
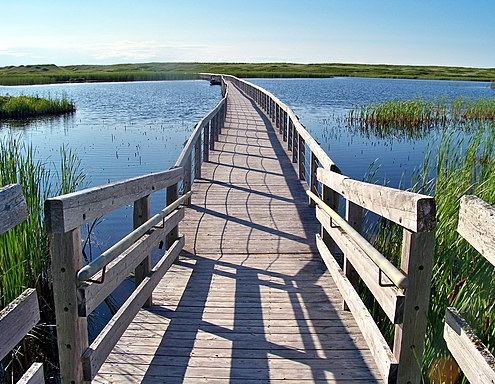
x: 250, y: 300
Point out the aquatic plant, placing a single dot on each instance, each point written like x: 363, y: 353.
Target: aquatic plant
x: 21, y: 107
x: 461, y: 165
x: 24, y: 256
x: 413, y: 118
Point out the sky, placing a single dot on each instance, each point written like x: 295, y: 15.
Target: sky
x: 414, y: 32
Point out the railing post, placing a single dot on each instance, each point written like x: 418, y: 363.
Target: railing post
x: 172, y: 195
x: 206, y: 142
x: 301, y: 158
x: 141, y: 214
x: 290, y: 133
x: 354, y: 216
x: 313, y: 180
x: 417, y: 263
x: 72, y: 330
x: 197, y: 158
x: 187, y: 180
x: 215, y: 127
x: 295, y: 147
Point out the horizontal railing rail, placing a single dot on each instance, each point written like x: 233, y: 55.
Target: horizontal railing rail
x: 403, y: 291
x: 476, y: 223
x: 79, y: 289
x: 22, y: 314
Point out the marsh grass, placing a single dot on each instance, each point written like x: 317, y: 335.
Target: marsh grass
x: 414, y: 118
x: 21, y: 107
x: 50, y: 73
x: 463, y: 164
x: 24, y: 256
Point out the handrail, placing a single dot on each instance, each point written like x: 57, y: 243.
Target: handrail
x: 114, y: 251
x: 395, y: 275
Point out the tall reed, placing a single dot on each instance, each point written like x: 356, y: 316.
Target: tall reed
x: 462, y: 164
x: 413, y: 118
x: 24, y: 258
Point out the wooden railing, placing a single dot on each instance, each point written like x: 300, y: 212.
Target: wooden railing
x: 20, y: 316
x: 476, y: 224
x: 403, y: 293
x: 79, y: 289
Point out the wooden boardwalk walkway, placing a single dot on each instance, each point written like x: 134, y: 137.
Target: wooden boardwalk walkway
x: 249, y: 300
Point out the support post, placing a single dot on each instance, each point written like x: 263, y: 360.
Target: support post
x: 206, y: 142
x: 354, y: 216
x: 301, y: 158
x: 72, y: 330
x: 187, y: 180
x: 141, y: 214
x: 172, y: 195
x: 313, y: 180
x: 197, y: 158
x: 417, y: 263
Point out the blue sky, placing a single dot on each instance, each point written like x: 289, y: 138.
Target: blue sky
x: 419, y: 32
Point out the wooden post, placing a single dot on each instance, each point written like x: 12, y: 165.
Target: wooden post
x: 197, y: 158
x: 354, y: 216
x: 330, y: 198
x: 141, y: 214
x: 290, y: 134
x: 417, y: 263
x: 72, y: 330
x: 295, y: 147
x: 187, y: 180
x: 172, y: 195
x: 215, y: 127
x: 211, y: 133
x: 206, y: 142
x: 313, y: 181
x: 301, y: 158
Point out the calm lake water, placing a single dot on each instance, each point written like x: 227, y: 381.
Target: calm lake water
x: 121, y: 130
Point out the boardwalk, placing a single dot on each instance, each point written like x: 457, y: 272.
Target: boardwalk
x: 250, y: 300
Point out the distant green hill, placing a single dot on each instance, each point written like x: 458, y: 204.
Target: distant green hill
x: 50, y: 73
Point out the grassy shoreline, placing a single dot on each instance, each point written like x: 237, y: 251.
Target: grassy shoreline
x: 51, y: 73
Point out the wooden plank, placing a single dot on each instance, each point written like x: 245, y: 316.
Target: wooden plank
x: 475, y: 360
x: 91, y: 295
x: 66, y: 212
x: 476, y: 223
x: 390, y: 298
x: 384, y: 358
x: 34, y: 375
x: 17, y: 319
x: 13, y: 207
x: 411, y: 210
x: 97, y: 352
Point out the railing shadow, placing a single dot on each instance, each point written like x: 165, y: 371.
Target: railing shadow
x: 325, y: 344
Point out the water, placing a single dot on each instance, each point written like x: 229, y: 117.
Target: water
x: 322, y: 104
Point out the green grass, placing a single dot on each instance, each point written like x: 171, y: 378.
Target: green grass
x: 22, y: 107
x: 50, y: 73
x: 414, y: 118
x: 24, y: 250
x: 464, y: 164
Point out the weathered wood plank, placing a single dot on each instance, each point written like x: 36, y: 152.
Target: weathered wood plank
x: 64, y: 213
x: 17, y: 319
x: 411, y: 210
x: 390, y: 298
x: 34, y: 375
x: 385, y: 359
x: 476, y: 223
x: 13, y: 207
x: 98, y: 351
x: 475, y: 360
x: 92, y: 294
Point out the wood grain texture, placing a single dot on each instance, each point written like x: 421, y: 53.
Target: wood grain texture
x: 475, y: 360
x: 249, y: 300
x: 17, y: 319
x: 476, y: 223
x: 13, y: 207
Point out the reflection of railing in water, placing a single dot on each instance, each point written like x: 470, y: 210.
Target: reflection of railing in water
x: 405, y: 305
